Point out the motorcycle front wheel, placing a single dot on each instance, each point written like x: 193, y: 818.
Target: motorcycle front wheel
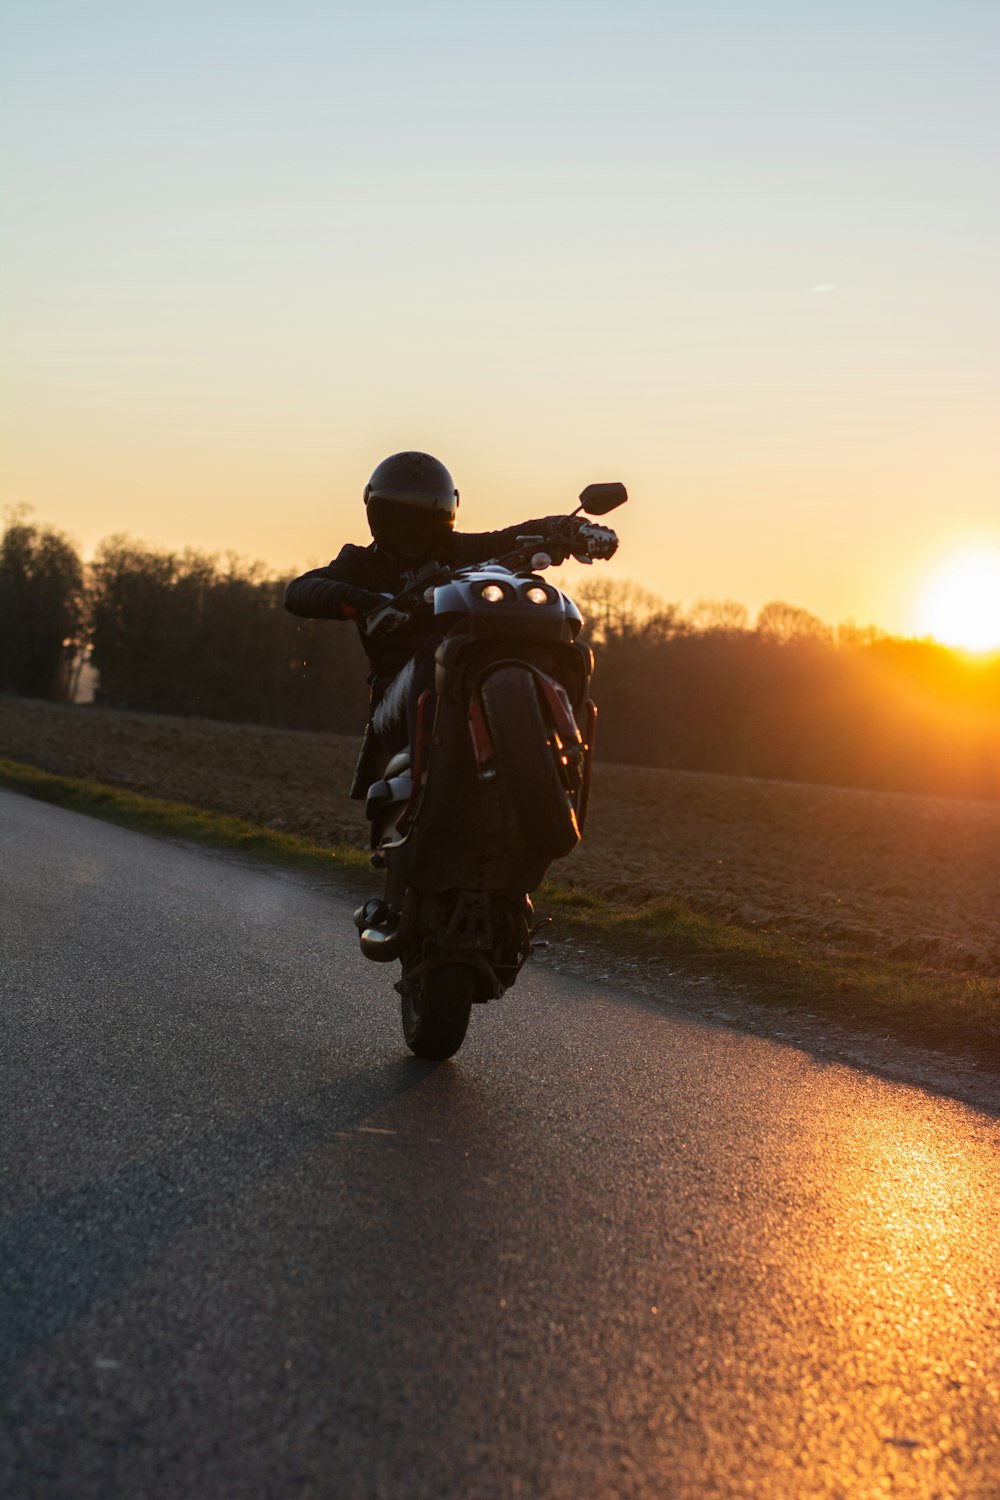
x: 527, y: 762
x: 436, y: 1007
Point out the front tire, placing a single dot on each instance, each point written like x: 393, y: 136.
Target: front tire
x: 526, y: 760
x: 436, y: 1007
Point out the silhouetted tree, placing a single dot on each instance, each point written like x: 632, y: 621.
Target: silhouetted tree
x: 792, y: 699
x: 851, y: 637
x: 786, y: 622
x: 41, y: 604
x: 186, y: 634
x: 614, y: 609
x: 718, y: 617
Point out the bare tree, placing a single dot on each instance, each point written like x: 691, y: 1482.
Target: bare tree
x: 616, y: 609
x: 851, y: 637
x: 718, y: 617
x: 785, y: 623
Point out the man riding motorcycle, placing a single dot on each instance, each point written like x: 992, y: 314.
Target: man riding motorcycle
x: 411, y: 504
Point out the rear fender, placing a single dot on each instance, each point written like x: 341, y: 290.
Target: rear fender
x: 563, y: 718
x: 567, y: 739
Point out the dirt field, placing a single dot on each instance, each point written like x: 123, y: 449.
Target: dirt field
x: 903, y: 877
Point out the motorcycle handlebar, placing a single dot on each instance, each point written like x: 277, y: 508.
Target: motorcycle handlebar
x: 412, y: 600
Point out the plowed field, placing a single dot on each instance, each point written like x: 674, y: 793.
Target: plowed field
x: 902, y: 877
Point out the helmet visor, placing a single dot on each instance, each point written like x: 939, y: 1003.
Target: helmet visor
x: 406, y: 529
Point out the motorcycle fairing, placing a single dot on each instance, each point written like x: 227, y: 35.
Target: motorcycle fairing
x: 515, y: 616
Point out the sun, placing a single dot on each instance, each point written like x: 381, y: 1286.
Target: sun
x: 961, y: 603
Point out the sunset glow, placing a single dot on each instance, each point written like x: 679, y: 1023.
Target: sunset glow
x: 739, y: 258
x: 961, y: 605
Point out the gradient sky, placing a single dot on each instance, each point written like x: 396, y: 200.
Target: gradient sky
x: 742, y: 256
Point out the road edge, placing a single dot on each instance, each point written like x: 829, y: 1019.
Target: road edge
x: 947, y: 1018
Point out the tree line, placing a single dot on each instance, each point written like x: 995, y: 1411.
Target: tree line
x: 702, y: 689
x: 789, y: 697
x: 170, y: 633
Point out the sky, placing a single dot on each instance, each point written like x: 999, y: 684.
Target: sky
x: 742, y: 256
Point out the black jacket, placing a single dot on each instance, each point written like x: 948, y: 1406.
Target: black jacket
x: 356, y: 580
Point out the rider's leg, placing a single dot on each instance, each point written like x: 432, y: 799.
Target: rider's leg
x: 421, y: 682
x: 395, y: 718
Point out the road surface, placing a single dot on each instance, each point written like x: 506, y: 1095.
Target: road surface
x: 249, y: 1248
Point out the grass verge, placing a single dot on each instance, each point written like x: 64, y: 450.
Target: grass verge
x: 178, y: 820
x: 855, y: 990
x: 922, y: 1007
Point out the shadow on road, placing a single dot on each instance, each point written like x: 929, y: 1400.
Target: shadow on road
x: 62, y: 1256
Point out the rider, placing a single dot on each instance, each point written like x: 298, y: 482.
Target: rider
x: 411, y: 501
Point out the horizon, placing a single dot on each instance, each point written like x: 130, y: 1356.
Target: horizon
x: 649, y: 602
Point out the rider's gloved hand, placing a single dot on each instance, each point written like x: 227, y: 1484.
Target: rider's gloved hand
x: 357, y: 602
x: 594, y: 541
x: 383, y: 621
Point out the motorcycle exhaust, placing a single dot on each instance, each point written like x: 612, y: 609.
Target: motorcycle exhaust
x: 379, y: 943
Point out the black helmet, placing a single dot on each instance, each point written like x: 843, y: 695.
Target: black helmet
x: 412, y: 501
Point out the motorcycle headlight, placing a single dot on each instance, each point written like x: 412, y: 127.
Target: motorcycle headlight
x: 492, y: 593
x: 537, y: 595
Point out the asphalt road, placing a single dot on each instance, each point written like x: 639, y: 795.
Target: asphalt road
x: 250, y: 1248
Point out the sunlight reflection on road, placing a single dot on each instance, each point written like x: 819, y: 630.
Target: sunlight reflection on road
x: 894, y: 1271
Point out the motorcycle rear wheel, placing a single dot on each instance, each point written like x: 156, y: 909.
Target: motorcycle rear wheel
x: 527, y: 762
x: 436, y: 1007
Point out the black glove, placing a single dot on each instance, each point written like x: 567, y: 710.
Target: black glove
x: 593, y: 541
x: 356, y: 601
x: 383, y: 621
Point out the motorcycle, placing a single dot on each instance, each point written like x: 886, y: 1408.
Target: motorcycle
x: 493, y: 786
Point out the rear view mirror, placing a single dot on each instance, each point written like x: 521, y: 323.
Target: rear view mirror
x: 598, y: 499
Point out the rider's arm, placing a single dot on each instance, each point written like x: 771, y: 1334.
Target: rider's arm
x: 334, y: 592
x: 480, y: 546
